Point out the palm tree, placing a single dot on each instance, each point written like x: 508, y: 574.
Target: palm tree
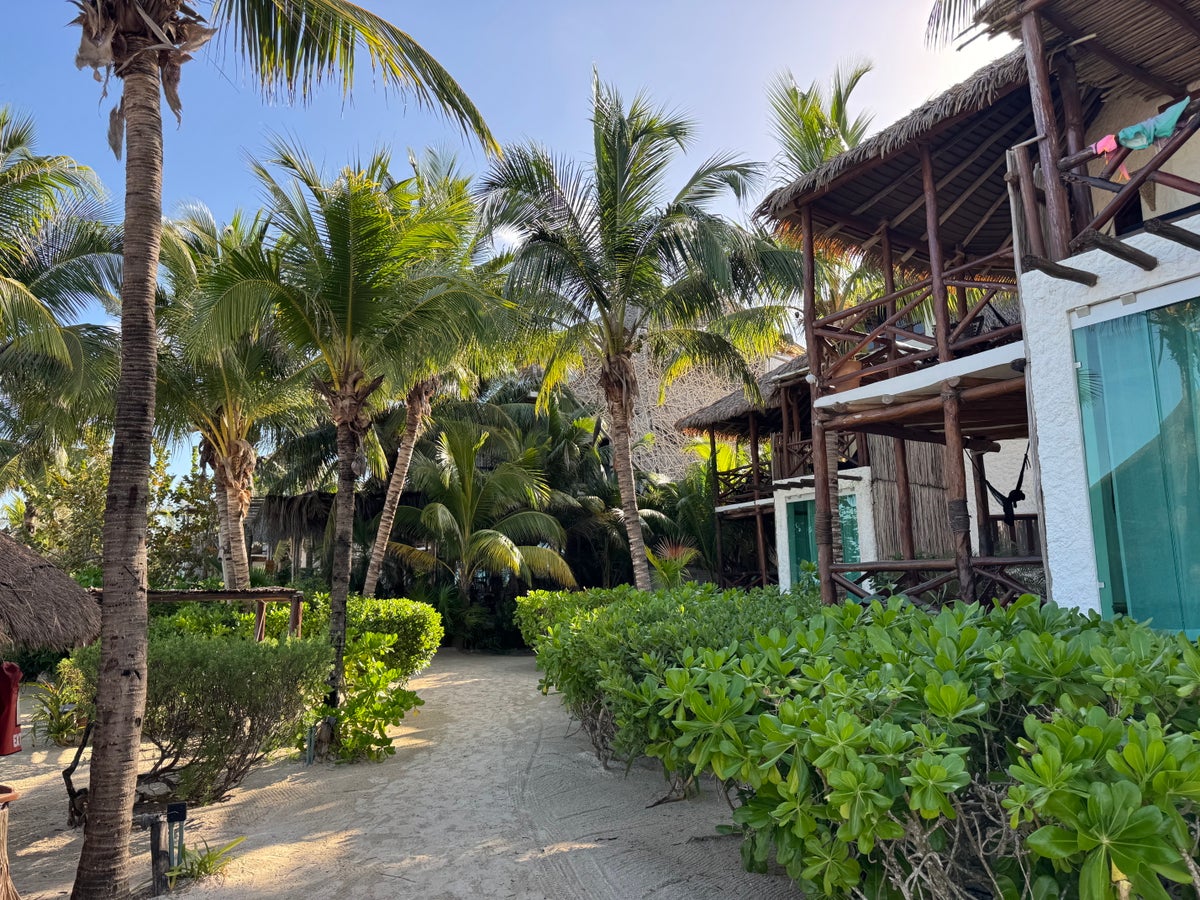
x: 612, y: 264
x: 56, y: 254
x: 235, y: 395
x: 352, y: 279
x: 949, y: 18
x: 290, y: 46
x: 483, y: 511
x: 441, y: 191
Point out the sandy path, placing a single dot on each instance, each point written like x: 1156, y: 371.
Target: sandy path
x: 489, y: 795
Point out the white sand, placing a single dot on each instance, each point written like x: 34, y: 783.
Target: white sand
x: 491, y: 795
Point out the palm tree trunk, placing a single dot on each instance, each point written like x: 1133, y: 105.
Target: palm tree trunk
x: 618, y: 408
x: 238, y: 552
x: 835, y: 504
x: 103, y: 870
x: 417, y: 410
x: 222, y: 501
x: 343, y: 534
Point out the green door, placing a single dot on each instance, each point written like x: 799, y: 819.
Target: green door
x: 1139, y: 388
x: 802, y: 541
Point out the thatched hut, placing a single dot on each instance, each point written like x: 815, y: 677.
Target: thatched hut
x: 41, y: 605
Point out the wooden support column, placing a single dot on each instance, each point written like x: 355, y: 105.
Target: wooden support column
x: 899, y: 447
x: 823, y: 518
x: 937, y: 265
x: 716, y: 491
x: 983, y: 529
x: 1058, y: 211
x: 756, y: 482
x: 956, y: 491
x: 1072, y: 101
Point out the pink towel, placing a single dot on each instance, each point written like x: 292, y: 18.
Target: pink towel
x: 1106, y: 145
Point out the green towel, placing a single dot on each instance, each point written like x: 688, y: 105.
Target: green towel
x: 1143, y: 134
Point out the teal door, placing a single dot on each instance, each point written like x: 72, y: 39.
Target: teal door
x: 1139, y: 387
x: 802, y: 541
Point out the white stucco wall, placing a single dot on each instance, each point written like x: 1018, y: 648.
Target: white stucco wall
x: 861, y: 490
x: 1048, y: 307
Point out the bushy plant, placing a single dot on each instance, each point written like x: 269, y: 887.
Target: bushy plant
x: 884, y: 752
x: 61, y: 705
x: 374, y: 699
x: 217, y: 705
x: 620, y: 635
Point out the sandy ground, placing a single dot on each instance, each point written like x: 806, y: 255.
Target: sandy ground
x: 491, y: 794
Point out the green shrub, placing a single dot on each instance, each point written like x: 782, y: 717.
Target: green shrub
x: 61, y: 705
x: 216, y: 705
x: 374, y: 700
x: 883, y: 752
x: 623, y: 633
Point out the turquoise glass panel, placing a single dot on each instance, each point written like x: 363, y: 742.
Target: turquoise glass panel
x: 1139, y: 386
x: 802, y: 536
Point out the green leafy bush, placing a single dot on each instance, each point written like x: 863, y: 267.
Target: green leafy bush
x: 374, y: 699
x: 61, y: 705
x: 217, y: 705
x: 593, y: 637
x: 883, y: 752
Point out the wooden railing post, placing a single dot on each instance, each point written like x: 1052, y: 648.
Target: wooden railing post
x: 956, y: 491
x: 1058, y: 211
x: 941, y: 310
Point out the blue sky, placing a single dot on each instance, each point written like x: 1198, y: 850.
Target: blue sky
x: 527, y: 64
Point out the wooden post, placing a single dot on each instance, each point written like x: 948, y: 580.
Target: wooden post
x: 1029, y: 203
x: 716, y: 489
x: 295, y: 615
x: 983, y: 526
x: 260, y: 620
x: 899, y: 447
x: 160, y: 858
x: 756, y: 481
x: 823, y: 518
x: 941, y: 311
x: 1072, y: 101
x: 956, y: 492
x: 1058, y: 211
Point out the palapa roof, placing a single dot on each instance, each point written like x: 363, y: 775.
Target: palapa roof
x: 969, y: 129
x: 1142, y: 49
x: 730, y: 416
x: 41, y: 606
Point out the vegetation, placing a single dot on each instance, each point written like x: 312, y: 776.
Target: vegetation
x: 885, y: 751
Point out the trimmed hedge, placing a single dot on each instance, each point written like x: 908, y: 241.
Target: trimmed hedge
x: 586, y: 637
x: 885, y: 752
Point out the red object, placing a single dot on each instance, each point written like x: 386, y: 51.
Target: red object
x: 10, y: 731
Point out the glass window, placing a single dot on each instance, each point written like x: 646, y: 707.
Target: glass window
x: 1139, y: 387
x: 802, y: 537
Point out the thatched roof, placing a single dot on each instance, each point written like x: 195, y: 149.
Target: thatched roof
x: 977, y: 93
x: 1137, y: 49
x: 730, y: 416
x: 41, y: 606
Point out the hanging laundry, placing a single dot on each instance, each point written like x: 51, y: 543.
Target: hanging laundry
x: 1143, y: 134
x: 1106, y: 145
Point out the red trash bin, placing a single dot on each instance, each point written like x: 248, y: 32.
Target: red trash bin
x: 10, y: 731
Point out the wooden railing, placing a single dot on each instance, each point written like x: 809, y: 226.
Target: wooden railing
x: 932, y: 582
x: 738, y: 485
x: 793, y: 458
x: 887, y: 335
x: 1021, y: 538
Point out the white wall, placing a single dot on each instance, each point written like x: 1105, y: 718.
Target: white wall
x: 861, y: 490
x: 1048, y: 306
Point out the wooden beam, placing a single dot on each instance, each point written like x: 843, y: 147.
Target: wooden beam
x: 1179, y: 13
x: 1029, y: 202
x: 716, y: 492
x: 1142, y: 175
x: 1058, y: 270
x: 900, y: 411
x: 1092, y: 239
x: 983, y: 529
x: 956, y: 493
x: 1170, y: 232
x: 941, y: 312
x: 1166, y: 179
x: 984, y: 219
x: 1075, y: 127
x: 1102, y: 52
x: 822, y: 517
x: 1058, y: 211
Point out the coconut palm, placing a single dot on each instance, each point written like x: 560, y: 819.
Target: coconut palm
x: 289, y: 46
x: 483, y: 511
x: 614, y: 264
x: 353, y: 279
x: 443, y: 192
x: 233, y: 396
x: 57, y: 253
x: 949, y: 18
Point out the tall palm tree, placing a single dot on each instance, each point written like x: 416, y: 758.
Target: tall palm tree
x: 441, y: 191
x: 948, y: 18
x: 234, y: 395
x: 352, y: 280
x: 483, y: 511
x: 290, y: 46
x: 614, y: 264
